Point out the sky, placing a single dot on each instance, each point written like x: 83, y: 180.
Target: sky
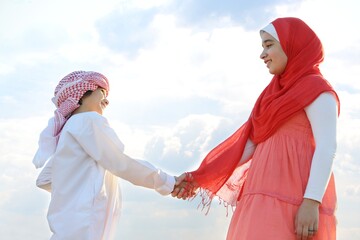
x: 184, y: 75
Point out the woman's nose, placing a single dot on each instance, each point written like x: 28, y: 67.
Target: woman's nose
x: 106, y: 101
x: 263, y: 54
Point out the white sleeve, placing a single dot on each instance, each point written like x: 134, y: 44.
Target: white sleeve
x: 100, y: 141
x: 44, y: 179
x: 248, y: 152
x: 322, y: 115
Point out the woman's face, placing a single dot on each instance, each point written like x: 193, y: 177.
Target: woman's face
x: 273, y: 55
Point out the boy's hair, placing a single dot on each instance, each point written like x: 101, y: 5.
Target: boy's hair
x: 86, y: 94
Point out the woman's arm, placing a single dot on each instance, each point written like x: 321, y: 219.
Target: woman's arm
x: 322, y: 114
x: 248, y: 152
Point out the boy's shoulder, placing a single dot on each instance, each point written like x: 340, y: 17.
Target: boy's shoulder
x: 86, y: 117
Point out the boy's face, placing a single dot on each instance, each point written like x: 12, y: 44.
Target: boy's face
x: 95, y: 102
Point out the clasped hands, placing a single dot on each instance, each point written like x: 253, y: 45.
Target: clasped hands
x: 185, y: 187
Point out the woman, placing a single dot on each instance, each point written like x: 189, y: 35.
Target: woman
x: 277, y: 168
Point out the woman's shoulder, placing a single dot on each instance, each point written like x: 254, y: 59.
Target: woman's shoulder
x: 316, y: 81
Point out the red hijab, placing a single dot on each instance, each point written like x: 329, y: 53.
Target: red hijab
x: 298, y: 86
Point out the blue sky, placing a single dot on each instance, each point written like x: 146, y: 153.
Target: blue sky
x: 184, y: 75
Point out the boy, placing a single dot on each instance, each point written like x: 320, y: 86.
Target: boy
x: 84, y: 158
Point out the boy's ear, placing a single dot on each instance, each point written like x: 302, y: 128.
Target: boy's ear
x: 87, y: 93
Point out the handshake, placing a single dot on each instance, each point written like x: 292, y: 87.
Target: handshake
x: 185, y: 187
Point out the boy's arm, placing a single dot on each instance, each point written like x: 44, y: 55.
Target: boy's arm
x: 44, y: 179
x: 100, y: 141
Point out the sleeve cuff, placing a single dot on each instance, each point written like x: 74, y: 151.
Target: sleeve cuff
x: 168, y: 186
x: 313, y: 197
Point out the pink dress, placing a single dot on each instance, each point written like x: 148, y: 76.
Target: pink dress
x: 275, y: 186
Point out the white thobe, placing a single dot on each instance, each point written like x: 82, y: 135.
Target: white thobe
x: 83, y: 174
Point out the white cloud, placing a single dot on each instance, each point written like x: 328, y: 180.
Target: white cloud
x: 217, y: 64
x: 349, y: 233
x: 353, y: 191
x: 146, y: 4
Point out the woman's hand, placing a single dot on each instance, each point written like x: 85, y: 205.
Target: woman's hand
x: 184, y: 187
x: 307, y: 219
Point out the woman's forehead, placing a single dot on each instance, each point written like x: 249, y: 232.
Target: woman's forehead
x: 266, y: 37
x: 264, y: 34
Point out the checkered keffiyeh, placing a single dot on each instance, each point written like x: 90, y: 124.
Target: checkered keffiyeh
x: 66, y: 99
